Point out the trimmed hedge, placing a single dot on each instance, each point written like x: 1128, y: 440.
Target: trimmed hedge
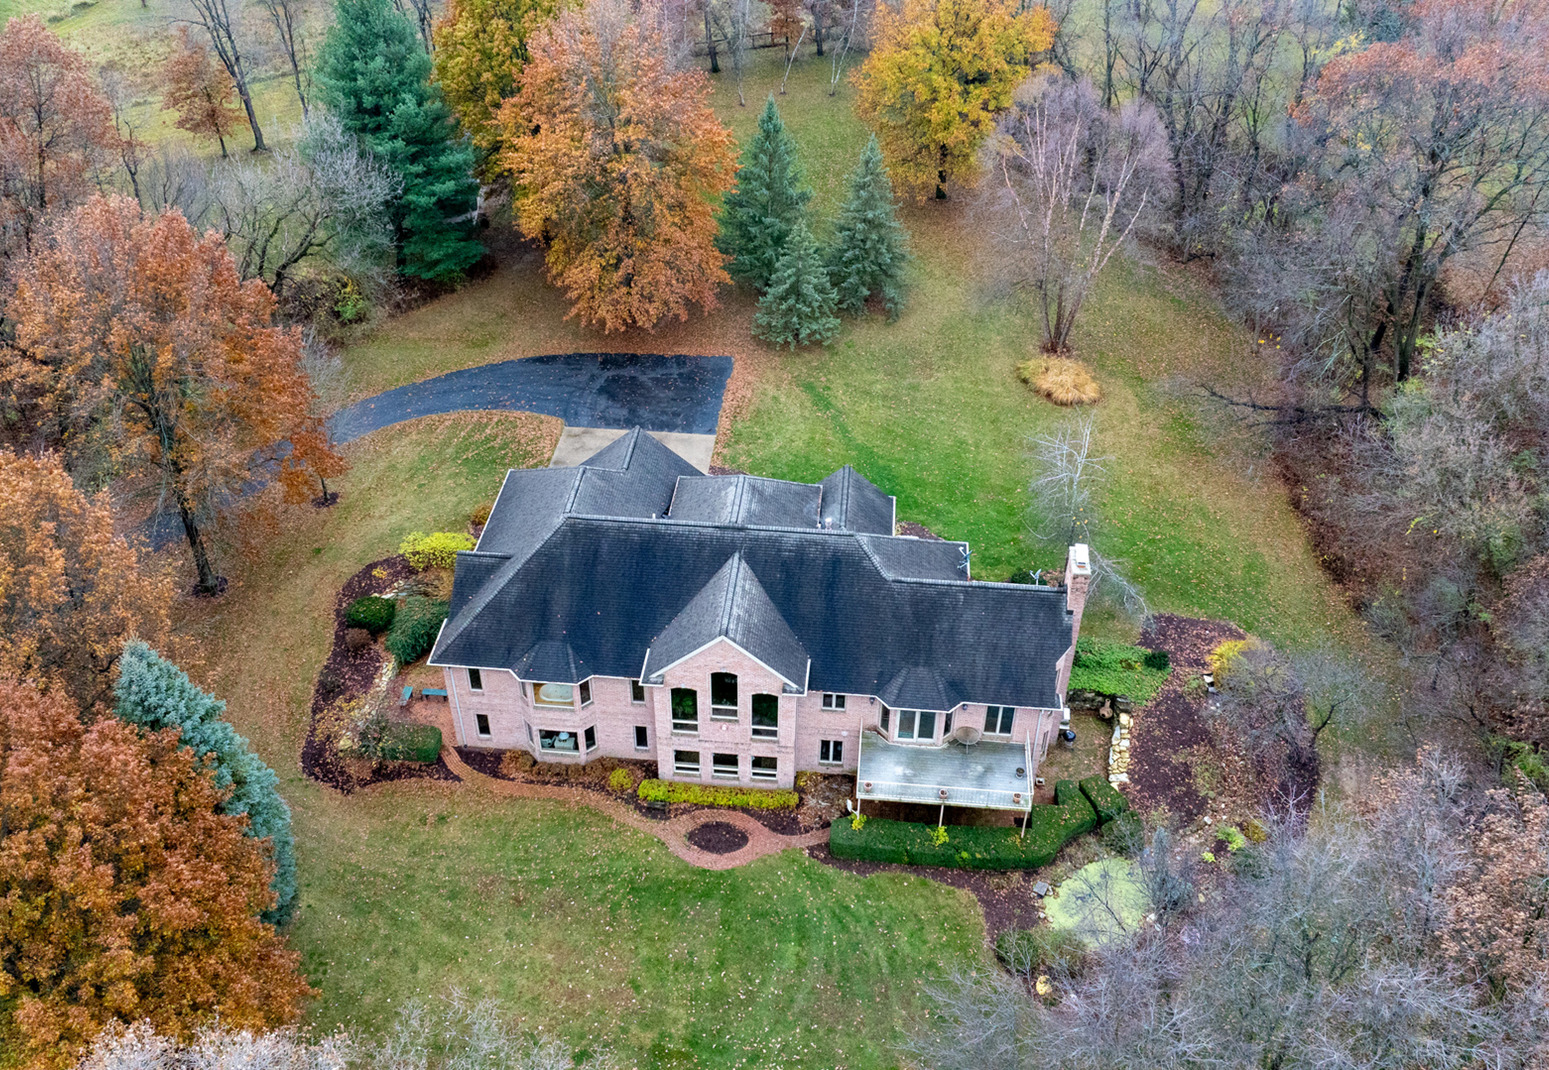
x: 672, y: 791
x: 1107, y: 800
x: 1111, y: 668
x: 908, y: 843
x: 414, y: 628
x: 411, y: 743
x: 436, y: 550
x: 373, y: 613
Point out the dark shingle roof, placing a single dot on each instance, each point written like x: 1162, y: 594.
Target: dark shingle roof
x: 752, y: 500
x: 853, y: 503
x: 559, y: 597
x: 733, y: 605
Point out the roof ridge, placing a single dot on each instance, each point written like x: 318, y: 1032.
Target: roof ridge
x: 633, y: 435
x: 730, y: 597
x: 575, y: 490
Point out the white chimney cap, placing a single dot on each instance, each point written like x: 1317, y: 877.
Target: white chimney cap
x: 1080, y: 559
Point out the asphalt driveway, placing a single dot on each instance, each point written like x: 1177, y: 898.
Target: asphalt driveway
x: 621, y: 390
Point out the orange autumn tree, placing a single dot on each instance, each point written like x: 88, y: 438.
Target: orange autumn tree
x: 939, y: 74
x: 138, y: 327
x: 71, y: 590
x: 124, y: 895
x: 201, y: 92
x: 616, y: 160
x: 56, y: 128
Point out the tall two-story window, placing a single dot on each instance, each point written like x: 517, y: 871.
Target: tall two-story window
x: 723, y: 696
x: 685, y: 709
x: 832, y: 701
x: 916, y: 724
x: 766, y: 717
x: 553, y: 694
x: 475, y: 680
x: 998, y: 720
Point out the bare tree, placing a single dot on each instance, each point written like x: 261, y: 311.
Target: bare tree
x: 120, y: 90
x: 851, y: 25
x: 1074, y: 181
x: 1066, y: 478
x: 423, y: 14
x: 223, y: 22
x: 288, y: 17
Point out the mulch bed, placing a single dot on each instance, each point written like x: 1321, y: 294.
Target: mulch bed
x: 347, y: 675
x: 919, y: 531
x: 718, y: 838
x: 1171, y: 724
x: 1006, y: 898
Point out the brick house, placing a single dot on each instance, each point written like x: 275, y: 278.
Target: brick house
x: 734, y: 629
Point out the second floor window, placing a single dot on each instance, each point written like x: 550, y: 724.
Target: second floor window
x: 475, y: 680
x: 553, y: 694
x: 586, y: 692
x: 723, y: 690
x: 832, y: 701
x: 766, y: 717
x: 685, y: 709
x: 636, y: 691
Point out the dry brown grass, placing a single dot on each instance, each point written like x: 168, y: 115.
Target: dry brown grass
x: 1061, y: 380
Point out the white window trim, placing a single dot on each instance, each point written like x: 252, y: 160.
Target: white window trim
x: 833, y: 701
x: 488, y: 732
x: 684, y: 769
x: 647, y: 744
x: 632, y: 699
x: 719, y: 772
x: 764, y: 774
x: 831, y: 760
x: 480, y: 688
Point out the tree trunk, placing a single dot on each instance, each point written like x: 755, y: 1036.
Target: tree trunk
x: 252, y: 117
x: 715, y: 61
x: 209, y: 583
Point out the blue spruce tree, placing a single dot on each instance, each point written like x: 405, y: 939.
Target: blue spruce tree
x: 870, y: 246
x: 154, y: 694
x: 798, y: 307
x: 757, y: 216
x: 374, y: 74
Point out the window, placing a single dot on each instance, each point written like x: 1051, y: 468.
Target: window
x: 475, y: 680
x: 765, y: 768
x: 642, y: 741
x: 885, y: 713
x: 685, y: 709
x: 916, y: 724
x: 586, y: 692
x: 766, y: 717
x: 723, y: 691
x: 723, y: 766
x: 831, y: 751
x: 997, y: 720
x: 529, y: 733
x: 482, y: 721
x: 553, y: 694
x: 685, y: 762
x: 591, y: 738
x: 636, y: 691
x: 832, y: 701
x: 565, y: 742
x: 946, y: 725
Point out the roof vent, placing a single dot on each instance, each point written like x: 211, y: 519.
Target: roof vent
x: 967, y: 553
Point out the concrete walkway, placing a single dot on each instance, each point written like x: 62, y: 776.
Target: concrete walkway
x: 576, y: 444
x: 655, y: 391
x: 672, y: 832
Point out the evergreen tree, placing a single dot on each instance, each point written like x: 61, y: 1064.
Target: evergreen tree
x: 757, y: 216
x: 374, y: 74
x: 798, y: 307
x: 870, y: 246
x: 152, y: 693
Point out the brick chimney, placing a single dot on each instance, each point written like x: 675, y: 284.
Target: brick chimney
x: 1078, y: 578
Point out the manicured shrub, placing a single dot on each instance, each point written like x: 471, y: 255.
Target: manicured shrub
x: 373, y: 613
x: 671, y: 791
x: 436, y: 550
x: 1029, y: 952
x: 410, y: 743
x: 1111, y: 668
x: 1049, y: 828
x: 414, y: 628
x: 356, y: 639
x: 1107, y: 800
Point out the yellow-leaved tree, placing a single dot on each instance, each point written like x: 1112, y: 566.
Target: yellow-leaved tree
x: 481, y: 47
x: 940, y: 73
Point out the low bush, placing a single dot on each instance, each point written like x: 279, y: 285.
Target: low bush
x: 1106, y: 799
x: 356, y: 639
x: 410, y: 743
x: 621, y: 779
x: 414, y: 628
x: 1061, y: 380
x: 1049, y: 828
x: 1112, y: 668
x: 1028, y: 952
x: 671, y: 791
x: 480, y: 516
x: 436, y: 550
x: 1225, y: 656
x: 372, y: 613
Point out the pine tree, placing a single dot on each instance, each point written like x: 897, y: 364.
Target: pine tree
x: 152, y: 693
x: 870, y: 246
x: 798, y: 307
x: 757, y: 216
x: 374, y: 74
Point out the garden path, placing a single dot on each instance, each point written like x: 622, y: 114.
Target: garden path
x: 673, y: 832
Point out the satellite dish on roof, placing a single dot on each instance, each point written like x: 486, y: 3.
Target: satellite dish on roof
x: 966, y: 734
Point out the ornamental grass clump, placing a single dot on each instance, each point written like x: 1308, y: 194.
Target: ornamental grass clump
x: 1061, y: 380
